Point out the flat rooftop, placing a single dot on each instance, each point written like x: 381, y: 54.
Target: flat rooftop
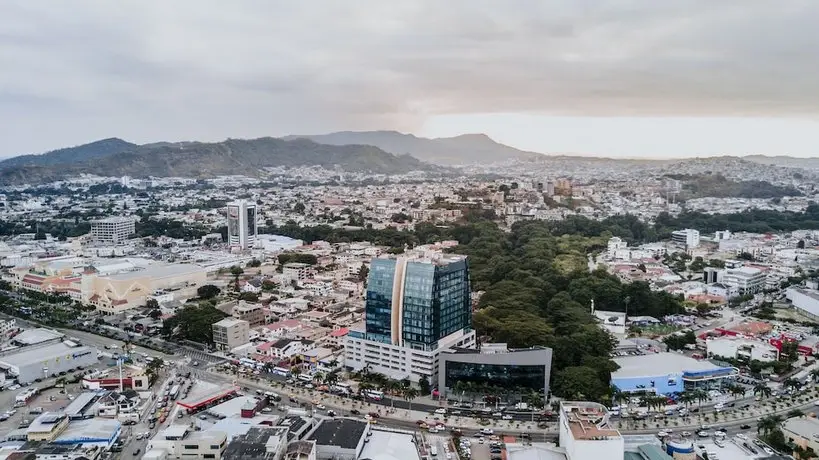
x: 26, y: 356
x: 388, y: 445
x: 655, y: 364
x: 588, y: 420
x: 205, y: 393
x: 97, y: 430
x: 344, y: 433
x: 803, y: 426
x: 233, y: 407
x: 38, y: 335
x: 158, y: 271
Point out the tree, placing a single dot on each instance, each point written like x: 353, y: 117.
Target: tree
x: 363, y: 272
x: 193, y: 322
x: 208, y: 291
x: 254, y: 263
x: 236, y: 271
x: 762, y: 390
x: 249, y: 296
x: 424, y: 385
x: 800, y: 244
x: 578, y: 383
x: 155, y: 314
x: 410, y: 394
x: 152, y: 369
x: 768, y: 424
x: 299, y: 208
x: 151, y: 304
x: 789, y: 352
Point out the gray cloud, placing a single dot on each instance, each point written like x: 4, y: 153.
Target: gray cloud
x: 149, y: 70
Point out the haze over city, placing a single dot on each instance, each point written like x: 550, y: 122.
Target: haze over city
x: 604, y: 78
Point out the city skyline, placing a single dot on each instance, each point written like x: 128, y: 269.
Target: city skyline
x: 597, y: 78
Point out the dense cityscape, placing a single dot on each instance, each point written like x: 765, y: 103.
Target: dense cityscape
x: 474, y: 316
x: 381, y: 230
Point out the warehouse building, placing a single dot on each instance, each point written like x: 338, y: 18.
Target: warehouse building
x: 742, y: 349
x: 667, y: 373
x: 36, y: 362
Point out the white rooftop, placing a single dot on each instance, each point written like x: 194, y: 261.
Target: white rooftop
x: 387, y: 445
x: 158, y: 271
x: 38, y: 335
x: 534, y: 451
x: 659, y: 364
x: 100, y: 430
x: 233, y: 407
x: 38, y: 354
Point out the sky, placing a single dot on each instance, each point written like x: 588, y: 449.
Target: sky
x: 622, y: 78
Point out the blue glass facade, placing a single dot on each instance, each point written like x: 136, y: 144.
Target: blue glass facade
x: 379, y: 299
x: 435, y: 301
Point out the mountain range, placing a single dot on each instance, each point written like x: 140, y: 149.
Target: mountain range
x: 459, y: 150
x: 115, y: 157
x: 380, y: 152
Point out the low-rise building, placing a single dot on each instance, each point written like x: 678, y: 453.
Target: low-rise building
x: 178, y: 442
x: 253, y: 313
x: 230, y: 333
x: 802, y: 431
x: 742, y: 349
x: 746, y: 280
x: 585, y: 432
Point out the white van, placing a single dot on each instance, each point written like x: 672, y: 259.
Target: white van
x: 433, y: 450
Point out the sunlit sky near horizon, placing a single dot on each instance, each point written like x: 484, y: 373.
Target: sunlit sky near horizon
x: 618, y: 78
x: 638, y: 137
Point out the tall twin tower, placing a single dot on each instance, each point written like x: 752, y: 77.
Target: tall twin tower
x: 241, y: 224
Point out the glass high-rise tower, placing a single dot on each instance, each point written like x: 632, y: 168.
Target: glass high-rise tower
x: 415, y: 303
x: 417, y: 306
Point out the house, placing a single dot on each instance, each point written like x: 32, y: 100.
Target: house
x: 253, y: 286
x: 114, y: 403
x: 284, y: 348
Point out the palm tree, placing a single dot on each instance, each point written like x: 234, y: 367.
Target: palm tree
x: 318, y: 378
x: 459, y: 388
x: 762, y: 390
x: 393, y: 387
x: 768, y: 424
x: 687, y: 398
x: 617, y: 396
x: 791, y: 382
x: 295, y: 371
x: 700, y: 396
x: 795, y: 413
x: 410, y: 394
x: 331, y: 378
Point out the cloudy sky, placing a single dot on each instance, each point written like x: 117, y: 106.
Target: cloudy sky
x: 621, y: 77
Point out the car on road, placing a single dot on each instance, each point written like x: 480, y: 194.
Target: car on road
x: 507, y: 417
x: 742, y: 436
x: 745, y: 427
x: 137, y: 451
x: 440, y: 410
x: 374, y: 414
x: 355, y: 411
x: 703, y: 434
x: 321, y: 406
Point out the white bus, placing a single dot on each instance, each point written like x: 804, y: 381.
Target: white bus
x: 305, y: 378
x: 374, y: 394
x: 342, y: 388
x: 281, y: 371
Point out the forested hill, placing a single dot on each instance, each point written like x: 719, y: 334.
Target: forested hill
x: 233, y: 156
